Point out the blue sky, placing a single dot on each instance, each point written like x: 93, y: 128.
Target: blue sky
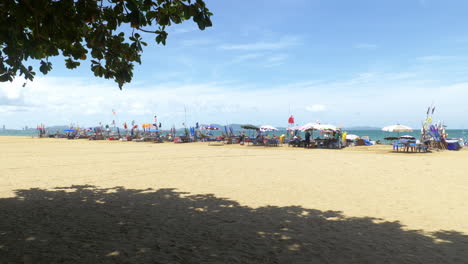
x: 350, y: 63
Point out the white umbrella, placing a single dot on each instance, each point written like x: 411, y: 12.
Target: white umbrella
x: 325, y: 127
x: 268, y: 128
x: 309, y: 126
x: 352, y: 137
x: 397, y: 128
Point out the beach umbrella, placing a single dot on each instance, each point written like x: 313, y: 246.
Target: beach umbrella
x: 249, y: 127
x: 352, y: 137
x: 69, y: 130
x: 309, y: 126
x: 268, y: 128
x: 397, y: 128
x: 325, y: 127
x: 408, y: 137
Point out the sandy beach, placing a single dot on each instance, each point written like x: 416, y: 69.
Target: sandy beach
x: 74, y: 201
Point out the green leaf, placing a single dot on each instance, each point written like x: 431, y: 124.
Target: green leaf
x: 39, y: 29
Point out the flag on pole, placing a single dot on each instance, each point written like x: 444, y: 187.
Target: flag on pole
x: 113, y: 112
x: 291, y: 120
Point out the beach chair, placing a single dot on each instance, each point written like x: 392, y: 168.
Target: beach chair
x: 421, y: 148
x: 400, y: 144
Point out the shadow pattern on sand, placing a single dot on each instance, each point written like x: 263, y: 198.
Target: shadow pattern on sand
x: 87, y: 224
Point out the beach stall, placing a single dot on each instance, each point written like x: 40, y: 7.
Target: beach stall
x: 255, y: 136
x: 402, y: 144
x: 331, y: 136
x: 70, y: 133
x: 296, y: 140
x: 292, y: 131
x: 269, y: 141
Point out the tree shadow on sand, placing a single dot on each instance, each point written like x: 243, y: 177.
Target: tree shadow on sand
x: 86, y: 224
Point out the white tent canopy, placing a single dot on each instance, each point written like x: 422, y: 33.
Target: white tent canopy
x: 268, y: 128
x: 325, y: 127
x: 397, y: 128
x: 309, y: 126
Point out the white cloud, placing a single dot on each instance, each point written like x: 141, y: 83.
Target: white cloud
x: 316, y: 108
x: 282, y: 43
x: 379, y: 98
x: 365, y: 46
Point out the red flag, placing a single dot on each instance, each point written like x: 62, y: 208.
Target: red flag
x: 291, y: 120
x: 125, y: 125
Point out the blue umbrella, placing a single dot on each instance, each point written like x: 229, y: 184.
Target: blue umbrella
x: 69, y: 130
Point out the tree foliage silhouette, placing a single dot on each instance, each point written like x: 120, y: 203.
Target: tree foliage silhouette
x: 87, y: 29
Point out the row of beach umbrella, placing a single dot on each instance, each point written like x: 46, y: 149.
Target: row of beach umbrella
x: 309, y: 126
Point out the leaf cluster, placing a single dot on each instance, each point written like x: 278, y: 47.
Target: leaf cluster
x: 83, y: 30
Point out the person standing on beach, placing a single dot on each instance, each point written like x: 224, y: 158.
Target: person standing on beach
x: 307, y: 139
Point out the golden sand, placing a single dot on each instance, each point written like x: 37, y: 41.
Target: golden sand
x: 422, y: 191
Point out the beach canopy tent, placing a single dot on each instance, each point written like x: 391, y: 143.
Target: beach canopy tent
x: 397, y: 128
x: 352, y: 137
x: 268, y: 128
x: 249, y: 127
x: 408, y: 137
